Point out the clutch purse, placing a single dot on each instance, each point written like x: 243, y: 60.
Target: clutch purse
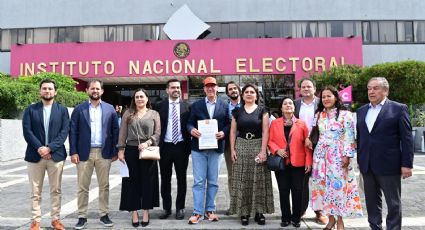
x: 150, y: 153
x: 275, y: 163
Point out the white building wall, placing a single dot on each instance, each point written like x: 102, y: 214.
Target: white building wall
x: 375, y: 54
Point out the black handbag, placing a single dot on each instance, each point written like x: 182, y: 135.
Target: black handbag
x: 277, y: 163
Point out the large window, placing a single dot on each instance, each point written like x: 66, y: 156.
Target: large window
x: 387, y: 32
x: 419, y: 31
x: 372, y: 32
x: 405, y: 31
x: 94, y: 33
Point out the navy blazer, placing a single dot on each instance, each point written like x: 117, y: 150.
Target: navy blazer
x: 199, y: 111
x: 33, y: 128
x: 80, y: 133
x: 163, y: 110
x: 389, y: 146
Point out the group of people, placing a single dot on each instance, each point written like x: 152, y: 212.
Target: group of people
x: 321, y: 175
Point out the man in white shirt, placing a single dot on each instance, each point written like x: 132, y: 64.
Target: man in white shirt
x: 175, y: 148
x: 45, y: 126
x: 385, y: 152
x: 305, y: 108
x: 93, y: 139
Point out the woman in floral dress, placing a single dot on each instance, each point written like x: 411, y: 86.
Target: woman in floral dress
x: 334, y: 188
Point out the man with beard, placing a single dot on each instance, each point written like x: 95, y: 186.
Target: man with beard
x: 305, y: 108
x: 174, y: 146
x: 93, y: 139
x: 45, y: 126
x: 233, y: 92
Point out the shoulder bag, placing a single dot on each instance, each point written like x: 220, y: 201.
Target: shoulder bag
x: 149, y: 153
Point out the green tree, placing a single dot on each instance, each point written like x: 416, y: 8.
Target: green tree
x: 17, y: 93
x: 406, y: 79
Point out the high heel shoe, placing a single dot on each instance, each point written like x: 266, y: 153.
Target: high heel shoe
x: 245, y: 220
x: 144, y: 224
x: 135, y: 224
x: 330, y: 227
x: 260, y: 219
x: 340, y: 228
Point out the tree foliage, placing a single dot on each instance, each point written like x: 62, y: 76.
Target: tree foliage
x: 17, y: 93
x: 406, y: 79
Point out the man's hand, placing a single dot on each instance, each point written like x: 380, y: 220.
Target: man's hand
x: 195, y: 133
x: 219, y: 135
x: 406, y: 172
x: 75, y: 159
x: 47, y: 156
x: 43, y: 151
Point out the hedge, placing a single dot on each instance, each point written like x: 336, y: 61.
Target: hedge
x: 17, y: 93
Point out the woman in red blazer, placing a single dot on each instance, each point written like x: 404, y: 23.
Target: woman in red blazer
x: 298, y: 160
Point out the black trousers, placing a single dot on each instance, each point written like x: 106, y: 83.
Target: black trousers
x: 305, y: 193
x: 177, y: 154
x: 140, y: 190
x: 374, y: 185
x: 290, y: 182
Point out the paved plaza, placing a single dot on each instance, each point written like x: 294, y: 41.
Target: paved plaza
x: 15, y: 202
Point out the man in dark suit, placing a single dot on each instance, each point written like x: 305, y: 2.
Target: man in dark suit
x: 305, y: 108
x: 385, y: 152
x: 93, y: 138
x: 174, y: 147
x: 206, y: 163
x: 45, y: 126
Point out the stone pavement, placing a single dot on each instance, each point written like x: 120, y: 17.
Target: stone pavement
x: 15, y: 203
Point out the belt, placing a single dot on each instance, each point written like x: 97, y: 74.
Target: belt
x: 173, y: 143
x: 249, y: 136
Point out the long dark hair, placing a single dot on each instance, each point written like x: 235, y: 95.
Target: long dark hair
x: 338, y: 103
x: 133, y: 109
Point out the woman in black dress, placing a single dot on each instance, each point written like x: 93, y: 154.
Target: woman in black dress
x: 251, y: 184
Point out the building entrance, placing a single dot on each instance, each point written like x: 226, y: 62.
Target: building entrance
x: 121, y: 94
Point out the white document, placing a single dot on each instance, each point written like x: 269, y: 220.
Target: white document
x: 184, y: 24
x: 123, y: 169
x: 208, y: 129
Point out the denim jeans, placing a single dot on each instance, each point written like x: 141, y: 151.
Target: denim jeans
x: 206, y: 166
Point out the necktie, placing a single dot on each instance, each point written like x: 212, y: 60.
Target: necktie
x: 175, y: 124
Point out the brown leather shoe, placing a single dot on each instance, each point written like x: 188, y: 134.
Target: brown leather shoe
x: 35, y: 225
x: 57, y: 225
x: 321, y: 219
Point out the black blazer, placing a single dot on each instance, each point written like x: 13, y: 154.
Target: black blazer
x: 163, y: 110
x: 33, y: 128
x: 199, y: 112
x: 389, y: 146
x: 297, y: 104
